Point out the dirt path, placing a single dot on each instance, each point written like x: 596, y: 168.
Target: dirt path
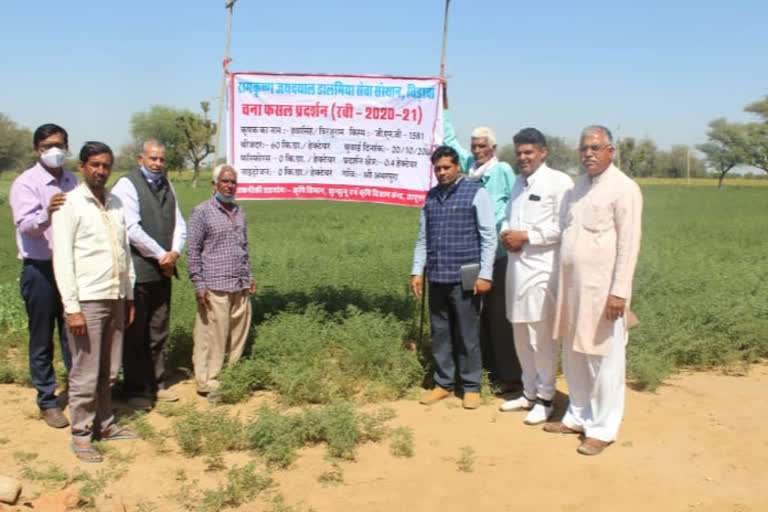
x: 699, y: 444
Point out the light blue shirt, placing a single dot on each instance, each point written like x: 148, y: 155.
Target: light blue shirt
x: 486, y: 228
x: 498, y: 181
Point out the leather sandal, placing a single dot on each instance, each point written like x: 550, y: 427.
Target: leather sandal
x: 559, y: 428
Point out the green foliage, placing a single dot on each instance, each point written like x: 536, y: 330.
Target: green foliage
x: 701, y: 286
x: 146, y: 431
x: 466, y: 461
x: 312, y: 357
x: 92, y: 484
x: 402, y: 442
x: 16, y: 152
x: 160, y: 123
x: 207, y: 432
x: 198, y: 133
x: 277, y: 436
x: 51, y: 474
x: 488, y: 390
x: 242, y: 485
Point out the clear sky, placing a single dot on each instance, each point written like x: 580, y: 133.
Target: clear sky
x: 657, y: 69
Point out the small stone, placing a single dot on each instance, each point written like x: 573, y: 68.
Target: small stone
x: 9, y: 489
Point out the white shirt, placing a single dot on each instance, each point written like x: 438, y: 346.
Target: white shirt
x: 145, y: 244
x: 534, y: 207
x: 91, y: 253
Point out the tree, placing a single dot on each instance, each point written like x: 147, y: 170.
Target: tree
x: 760, y: 108
x: 757, y: 135
x: 507, y: 154
x: 160, y: 124
x: 675, y: 163
x: 638, y: 158
x: 125, y: 159
x: 560, y: 155
x: 16, y: 151
x: 198, y: 137
x: 756, y: 145
x: 726, y: 147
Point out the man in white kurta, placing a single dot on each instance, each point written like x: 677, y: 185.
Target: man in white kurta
x: 600, y: 245
x: 531, y: 235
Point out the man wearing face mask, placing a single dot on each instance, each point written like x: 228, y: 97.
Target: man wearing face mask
x: 220, y: 268
x: 157, y: 233
x: 481, y: 166
x: 34, y: 196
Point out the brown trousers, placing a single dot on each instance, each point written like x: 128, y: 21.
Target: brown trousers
x: 220, y: 328
x: 95, y: 363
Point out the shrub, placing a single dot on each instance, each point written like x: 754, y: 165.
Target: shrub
x: 312, y: 357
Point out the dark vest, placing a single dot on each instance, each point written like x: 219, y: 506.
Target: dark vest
x: 452, y: 236
x: 157, y: 211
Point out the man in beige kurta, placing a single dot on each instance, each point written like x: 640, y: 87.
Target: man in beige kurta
x: 600, y: 244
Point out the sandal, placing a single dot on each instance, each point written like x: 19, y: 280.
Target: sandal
x: 116, y: 432
x: 560, y: 428
x: 87, y: 454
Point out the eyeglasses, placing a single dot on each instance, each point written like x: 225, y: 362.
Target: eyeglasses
x: 594, y: 148
x: 46, y: 147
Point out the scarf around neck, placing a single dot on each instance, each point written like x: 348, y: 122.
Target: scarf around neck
x: 476, y: 173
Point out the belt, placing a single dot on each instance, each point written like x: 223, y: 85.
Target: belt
x: 38, y: 263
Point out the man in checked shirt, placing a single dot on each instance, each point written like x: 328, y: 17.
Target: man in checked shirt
x: 220, y: 268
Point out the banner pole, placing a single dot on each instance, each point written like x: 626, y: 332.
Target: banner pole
x: 442, y: 77
x: 222, y: 91
x: 445, y: 38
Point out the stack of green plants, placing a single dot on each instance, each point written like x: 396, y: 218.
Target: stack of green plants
x: 311, y: 356
x: 276, y: 435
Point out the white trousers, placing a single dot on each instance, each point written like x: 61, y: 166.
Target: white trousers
x: 596, y: 388
x: 537, y: 352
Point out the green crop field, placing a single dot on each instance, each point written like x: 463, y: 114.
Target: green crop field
x: 334, y: 309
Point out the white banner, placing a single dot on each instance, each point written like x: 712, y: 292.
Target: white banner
x: 341, y: 137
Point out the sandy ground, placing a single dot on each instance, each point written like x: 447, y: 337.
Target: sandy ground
x: 698, y: 444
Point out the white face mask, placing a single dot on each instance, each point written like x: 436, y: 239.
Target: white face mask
x: 53, y: 157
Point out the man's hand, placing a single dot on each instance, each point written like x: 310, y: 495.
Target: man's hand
x: 57, y: 201
x: 513, y: 240
x: 614, y: 308
x: 168, y: 263
x: 482, y: 286
x: 76, y: 324
x: 202, y: 298
x: 417, y: 285
x: 130, y: 311
x: 252, y: 289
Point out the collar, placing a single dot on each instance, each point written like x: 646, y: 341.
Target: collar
x: 601, y: 177
x: 446, y: 191
x: 531, y: 179
x: 90, y: 197
x: 151, y: 176
x: 47, y: 177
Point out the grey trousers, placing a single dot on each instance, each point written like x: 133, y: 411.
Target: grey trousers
x: 454, y: 315
x: 95, y: 363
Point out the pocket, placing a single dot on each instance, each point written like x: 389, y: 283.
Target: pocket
x: 535, y: 211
